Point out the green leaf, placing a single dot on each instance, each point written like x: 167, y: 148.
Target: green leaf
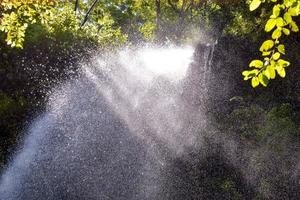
x: 271, y: 71
x: 287, y: 3
x: 276, y: 56
x: 256, y: 64
x: 267, y: 45
x: 254, y: 4
x: 270, y: 25
x: 266, y: 53
x: 294, y: 27
x: 276, y: 34
x: 279, y: 22
x: 276, y: 10
x: 294, y: 11
x: 255, y: 82
x: 287, y: 17
x: 266, y: 73
x: 283, y: 63
x: 286, y: 31
x: 250, y: 74
x: 281, y: 48
x: 246, y: 75
x: 280, y: 70
x: 263, y: 79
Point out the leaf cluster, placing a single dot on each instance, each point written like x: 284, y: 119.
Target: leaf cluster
x: 57, y: 20
x: 280, y: 23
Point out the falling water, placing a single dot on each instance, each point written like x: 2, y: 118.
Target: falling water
x: 112, y: 132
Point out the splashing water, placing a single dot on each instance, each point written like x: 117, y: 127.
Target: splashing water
x: 110, y: 133
x: 106, y: 134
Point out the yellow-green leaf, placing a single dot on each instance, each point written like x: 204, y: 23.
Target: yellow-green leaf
x: 286, y: 31
x: 267, y: 45
x: 283, y: 63
x: 271, y: 71
x: 280, y: 70
x: 279, y: 22
x: 294, y: 11
x: 287, y: 17
x: 254, y: 4
x: 276, y: 11
x: 246, y: 75
x: 276, y: 56
x: 256, y: 64
x: 266, y: 73
x: 270, y: 25
x: 294, y: 26
x: 266, y: 53
x: 287, y: 3
x: 281, y: 48
x: 263, y: 79
x: 250, y: 74
x: 255, y: 82
x: 276, y: 34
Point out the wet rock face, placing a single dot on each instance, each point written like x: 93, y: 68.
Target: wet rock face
x: 195, y: 84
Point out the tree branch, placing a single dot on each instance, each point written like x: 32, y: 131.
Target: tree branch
x: 88, y: 12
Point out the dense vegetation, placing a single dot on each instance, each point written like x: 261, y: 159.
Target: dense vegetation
x: 42, y: 40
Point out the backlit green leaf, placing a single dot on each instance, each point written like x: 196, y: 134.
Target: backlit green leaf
x: 266, y: 73
x: 267, y: 45
x: 286, y: 31
x: 294, y: 11
x: 276, y: 11
x: 287, y: 17
x: 255, y: 82
x: 246, y: 75
x: 283, y: 63
x: 276, y: 34
x: 250, y: 74
x: 294, y: 27
x: 287, y: 3
x: 263, y: 79
x: 276, y: 56
x: 279, y: 22
x: 254, y: 4
x: 270, y: 25
x: 281, y: 49
x: 256, y: 64
x: 280, y: 70
x: 271, y: 71
x: 266, y: 53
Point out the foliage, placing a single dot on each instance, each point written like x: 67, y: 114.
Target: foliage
x: 17, y: 15
x: 281, y: 22
x: 260, y: 125
x: 246, y: 121
x: 280, y: 123
x: 57, y: 19
x: 164, y: 19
